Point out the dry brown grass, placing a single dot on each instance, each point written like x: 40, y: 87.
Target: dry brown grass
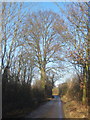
x: 74, y: 109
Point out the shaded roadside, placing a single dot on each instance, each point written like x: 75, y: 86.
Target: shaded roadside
x: 21, y: 113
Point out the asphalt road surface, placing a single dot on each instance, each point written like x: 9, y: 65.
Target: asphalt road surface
x: 51, y: 109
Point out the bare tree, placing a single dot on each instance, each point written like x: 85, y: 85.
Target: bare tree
x: 11, y: 20
x: 40, y: 35
x: 77, y: 49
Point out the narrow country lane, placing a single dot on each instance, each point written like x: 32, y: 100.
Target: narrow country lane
x: 52, y: 109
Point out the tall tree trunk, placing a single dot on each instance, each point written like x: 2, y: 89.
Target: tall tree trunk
x: 43, y: 77
x: 43, y: 81
x: 88, y: 82
x: 84, y: 97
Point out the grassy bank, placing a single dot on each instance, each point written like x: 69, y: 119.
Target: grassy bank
x: 73, y: 108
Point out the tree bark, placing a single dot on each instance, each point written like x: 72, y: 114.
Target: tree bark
x: 84, y: 97
x: 43, y: 77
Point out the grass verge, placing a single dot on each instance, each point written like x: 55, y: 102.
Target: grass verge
x: 73, y: 108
